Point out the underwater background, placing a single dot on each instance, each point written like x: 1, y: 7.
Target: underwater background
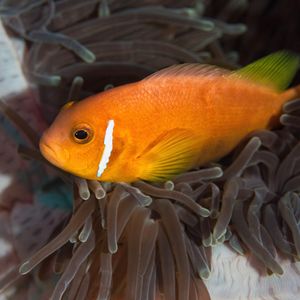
x: 229, y: 230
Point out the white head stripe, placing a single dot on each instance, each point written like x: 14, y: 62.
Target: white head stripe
x: 108, y: 146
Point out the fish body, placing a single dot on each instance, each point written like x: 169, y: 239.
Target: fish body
x: 180, y: 117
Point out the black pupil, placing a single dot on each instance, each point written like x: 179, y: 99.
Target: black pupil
x: 81, y: 134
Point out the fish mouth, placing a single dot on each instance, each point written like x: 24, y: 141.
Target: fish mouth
x: 51, y: 154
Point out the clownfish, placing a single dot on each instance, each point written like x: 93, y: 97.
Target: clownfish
x: 177, y: 118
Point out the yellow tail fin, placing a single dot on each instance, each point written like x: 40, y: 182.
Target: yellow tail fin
x: 291, y: 93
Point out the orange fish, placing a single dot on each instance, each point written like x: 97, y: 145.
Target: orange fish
x: 177, y: 118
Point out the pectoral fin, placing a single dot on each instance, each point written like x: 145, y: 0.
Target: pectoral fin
x: 170, y: 154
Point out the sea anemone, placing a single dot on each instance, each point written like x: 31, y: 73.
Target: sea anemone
x: 152, y: 241
x: 112, y: 43
x: 136, y: 241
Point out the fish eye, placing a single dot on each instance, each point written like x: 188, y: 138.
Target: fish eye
x: 82, y: 135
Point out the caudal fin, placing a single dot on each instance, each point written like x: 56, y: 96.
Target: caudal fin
x: 291, y: 93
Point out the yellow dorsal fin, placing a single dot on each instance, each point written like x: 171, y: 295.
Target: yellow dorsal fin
x: 275, y: 70
x: 67, y: 105
x: 170, y: 154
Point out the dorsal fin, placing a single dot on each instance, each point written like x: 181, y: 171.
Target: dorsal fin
x: 67, y: 105
x: 275, y: 70
x: 187, y: 70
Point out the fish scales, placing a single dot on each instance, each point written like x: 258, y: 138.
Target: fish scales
x: 178, y: 118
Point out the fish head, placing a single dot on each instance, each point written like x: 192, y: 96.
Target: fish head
x: 74, y: 141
